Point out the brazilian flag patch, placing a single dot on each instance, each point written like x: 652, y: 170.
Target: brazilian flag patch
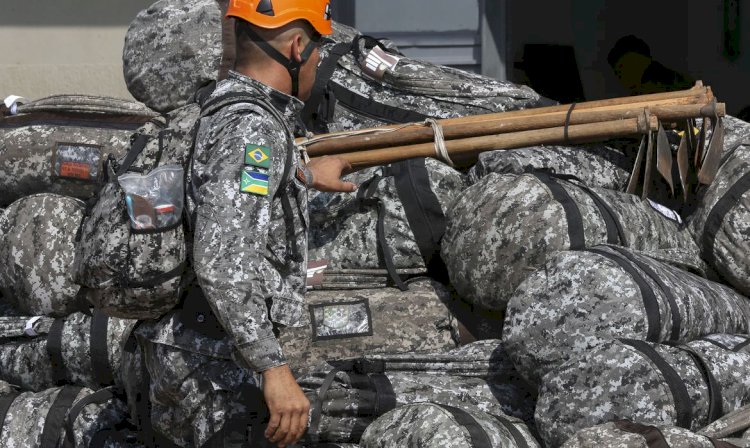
x: 254, y: 182
x: 258, y: 155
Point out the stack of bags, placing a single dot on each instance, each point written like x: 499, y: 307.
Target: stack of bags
x: 527, y: 301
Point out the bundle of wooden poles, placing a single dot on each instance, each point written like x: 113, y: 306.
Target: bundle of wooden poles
x: 463, y: 139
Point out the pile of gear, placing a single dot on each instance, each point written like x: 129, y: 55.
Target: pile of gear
x: 527, y: 301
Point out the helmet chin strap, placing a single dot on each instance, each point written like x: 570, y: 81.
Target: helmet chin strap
x: 291, y: 65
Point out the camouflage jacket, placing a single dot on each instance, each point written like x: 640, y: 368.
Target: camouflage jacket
x: 250, y: 226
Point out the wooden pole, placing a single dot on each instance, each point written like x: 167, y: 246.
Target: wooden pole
x: 465, y: 149
x: 423, y: 134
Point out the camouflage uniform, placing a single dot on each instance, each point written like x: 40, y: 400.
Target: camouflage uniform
x: 249, y: 256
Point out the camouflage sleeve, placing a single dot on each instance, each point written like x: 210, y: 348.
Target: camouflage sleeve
x: 232, y: 228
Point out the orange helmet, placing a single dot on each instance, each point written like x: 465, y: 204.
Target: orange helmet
x: 276, y: 13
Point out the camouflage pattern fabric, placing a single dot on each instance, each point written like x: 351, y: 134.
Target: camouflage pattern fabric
x: 418, y: 87
x: 25, y: 358
x: 171, y: 49
x: 624, y: 434
x: 117, y: 266
x: 27, y: 416
x: 506, y: 226
x: 37, y: 249
x: 433, y: 425
x: 653, y: 384
x: 193, y: 393
x: 731, y: 342
x: 580, y: 299
x: 721, y: 222
x: 597, y: 165
x: 343, y: 230
x: 58, y: 144
x: 346, y: 324
x: 478, y: 375
x: 733, y: 423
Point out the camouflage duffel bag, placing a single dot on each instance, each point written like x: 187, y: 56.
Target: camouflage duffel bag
x: 582, y: 298
x: 347, y: 395
x: 348, y: 324
x: 394, y: 221
x: 731, y: 342
x: 363, y: 82
x: 172, y: 48
x: 67, y: 416
x: 735, y: 424
x: 37, y: 251
x: 58, y: 144
x: 688, y: 386
x: 627, y: 434
x: 441, y: 425
x: 721, y: 222
x: 41, y: 352
x: 505, y: 226
x: 597, y: 165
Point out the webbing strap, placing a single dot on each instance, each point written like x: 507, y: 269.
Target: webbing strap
x: 683, y: 408
x: 576, y: 233
x: 715, y: 398
x: 98, y: 348
x: 717, y: 343
x: 99, y: 397
x: 650, y: 304
x: 423, y: 212
x: 479, y: 437
x: 719, y: 212
x: 741, y: 345
x: 55, y: 421
x: 326, y: 68
x: 384, y: 394
x: 518, y: 438
x: 135, y: 150
x: 54, y: 350
x: 615, y: 232
x: 5, y: 402
x: 652, y: 434
x: 368, y: 106
x: 673, y: 308
x: 317, y: 410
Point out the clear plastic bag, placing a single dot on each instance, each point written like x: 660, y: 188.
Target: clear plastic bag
x: 155, y: 200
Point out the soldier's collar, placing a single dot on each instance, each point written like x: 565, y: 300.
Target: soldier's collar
x: 287, y: 104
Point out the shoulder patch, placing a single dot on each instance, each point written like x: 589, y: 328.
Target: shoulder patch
x: 254, y: 182
x: 258, y: 155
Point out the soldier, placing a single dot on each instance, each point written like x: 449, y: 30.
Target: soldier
x: 249, y: 195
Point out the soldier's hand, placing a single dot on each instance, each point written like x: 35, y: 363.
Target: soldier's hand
x: 327, y: 172
x: 287, y: 404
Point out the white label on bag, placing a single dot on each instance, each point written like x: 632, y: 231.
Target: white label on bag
x: 378, y: 61
x: 666, y: 212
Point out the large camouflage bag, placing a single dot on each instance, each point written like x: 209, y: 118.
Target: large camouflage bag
x: 37, y: 248
x: 41, y: 352
x: 596, y: 165
x: 363, y: 82
x: 441, y: 425
x: 347, y: 395
x: 627, y: 434
x: 172, y: 48
x: 730, y: 342
x: 68, y: 416
x: 348, y: 324
x: 721, y: 222
x: 580, y: 299
x: 58, y: 144
x: 132, y: 256
x: 505, y: 227
x: 394, y: 221
x: 688, y: 386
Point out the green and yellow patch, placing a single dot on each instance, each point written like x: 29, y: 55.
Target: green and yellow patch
x: 258, y: 156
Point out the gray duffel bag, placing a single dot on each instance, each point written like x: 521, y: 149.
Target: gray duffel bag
x: 580, y: 299
x: 627, y: 434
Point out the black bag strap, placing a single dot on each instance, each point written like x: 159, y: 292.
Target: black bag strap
x: 98, y: 346
x: 518, y: 438
x: 326, y: 68
x: 99, y: 397
x: 739, y: 347
x: 576, y: 233
x: 719, y: 212
x: 54, y: 423
x: 716, y: 343
x: 615, y: 232
x: 369, y: 107
x: 6, y: 400
x: 715, y: 396
x: 682, y: 404
x: 54, y: 350
x: 652, y: 434
x: 673, y: 307
x: 650, y: 303
x: 423, y: 212
x: 477, y: 434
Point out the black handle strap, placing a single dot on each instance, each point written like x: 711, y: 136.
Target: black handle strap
x: 55, y: 421
x: 54, y: 350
